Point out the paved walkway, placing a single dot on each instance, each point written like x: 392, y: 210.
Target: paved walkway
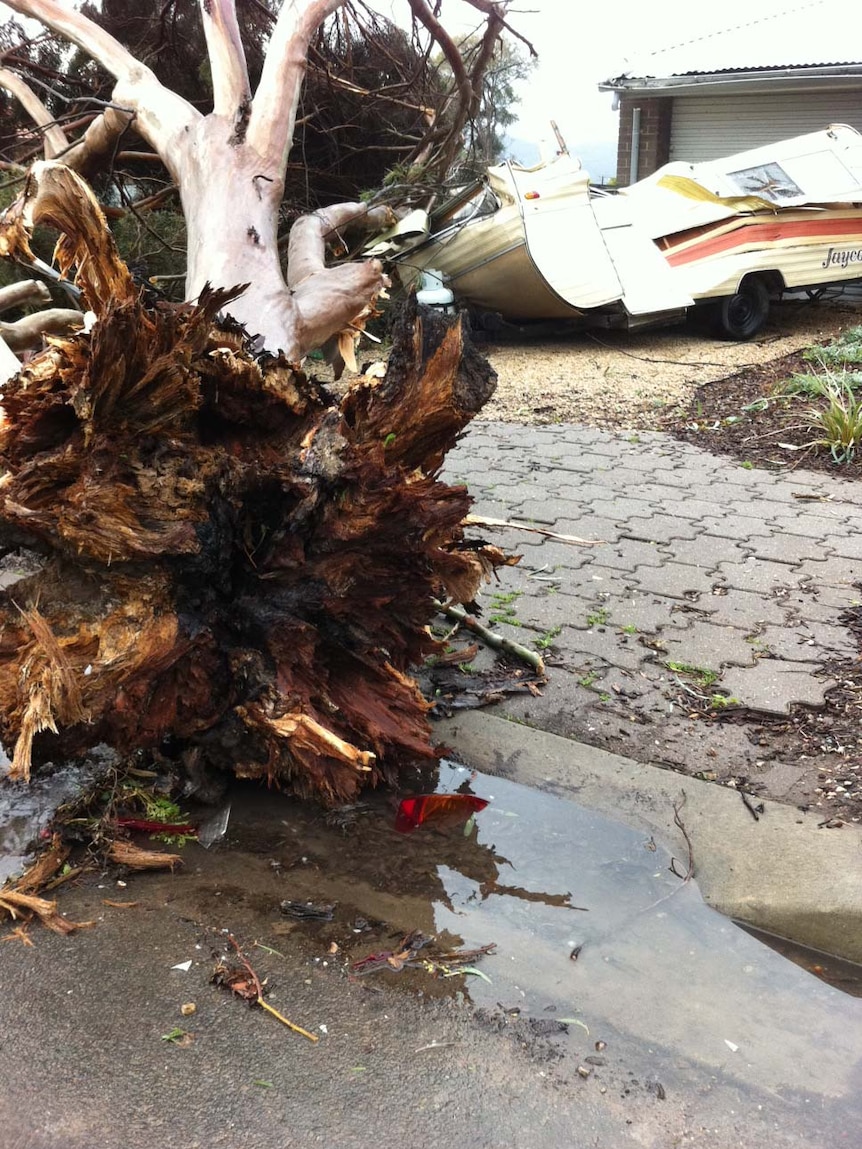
x: 700, y: 563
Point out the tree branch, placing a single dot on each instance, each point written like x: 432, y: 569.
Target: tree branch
x: 160, y: 113
x: 231, y: 89
x: 9, y: 364
x: 306, y: 253
x: 97, y: 142
x: 26, y: 334
x: 54, y: 136
x: 273, y: 113
x: 23, y: 294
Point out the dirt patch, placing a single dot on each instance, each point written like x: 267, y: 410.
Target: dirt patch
x: 620, y: 380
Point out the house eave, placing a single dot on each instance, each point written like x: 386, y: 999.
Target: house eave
x: 714, y: 83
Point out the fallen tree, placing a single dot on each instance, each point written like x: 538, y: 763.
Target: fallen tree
x: 238, y: 570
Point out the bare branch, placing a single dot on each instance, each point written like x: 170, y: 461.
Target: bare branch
x: 231, y: 90
x: 309, y: 235
x: 9, y: 364
x: 273, y: 114
x: 54, y: 136
x: 26, y: 334
x: 497, y: 9
x: 160, y: 113
x: 98, y: 142
x: 24, y: 293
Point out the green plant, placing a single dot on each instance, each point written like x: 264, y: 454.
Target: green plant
x: 587, y: 680
x: 702, y: 674
x: 603, y: 697
x: 747, y: 465
x: 598, y: 617
x: 547, y: 639
x: 720, y: 701
x: 629, y: 628
x: 844, y: 350
x: 502, y: 606
x: 839, y: 422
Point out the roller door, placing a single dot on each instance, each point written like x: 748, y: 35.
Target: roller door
x: 708, y: 127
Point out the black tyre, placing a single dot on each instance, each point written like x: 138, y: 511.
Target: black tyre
x: 743, y: 315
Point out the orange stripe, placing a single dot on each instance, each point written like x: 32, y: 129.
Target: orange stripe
x: 763, y: 233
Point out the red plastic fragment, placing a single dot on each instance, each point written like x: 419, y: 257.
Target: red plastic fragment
x: 412, y: 812
x: 146, y: 827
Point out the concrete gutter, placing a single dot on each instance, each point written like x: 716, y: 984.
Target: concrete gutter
x: 782, y: 873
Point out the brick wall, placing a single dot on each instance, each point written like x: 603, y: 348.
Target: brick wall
x: 654, y: 151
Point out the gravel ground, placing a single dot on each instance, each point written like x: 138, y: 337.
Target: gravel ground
x: 622, y: 380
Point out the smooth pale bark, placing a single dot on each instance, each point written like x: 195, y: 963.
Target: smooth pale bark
x: 25, y: 293
x: 54, y: 136
x: 9, y: 365
x: 229, y: 167
x: 26, y: 334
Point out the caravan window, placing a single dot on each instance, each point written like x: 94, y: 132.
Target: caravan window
x: 769, y: 181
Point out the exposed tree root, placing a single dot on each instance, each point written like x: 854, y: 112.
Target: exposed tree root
x: 236, y: 567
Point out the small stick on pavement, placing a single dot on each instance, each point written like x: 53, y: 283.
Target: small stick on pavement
x: 677, y: 806
x: 754, y: 811
x: 496, y: 641
x: 284, y: 1021
x: 258, y: 989
x: 484, y: 521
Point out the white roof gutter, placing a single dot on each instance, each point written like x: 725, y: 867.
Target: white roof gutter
x: 633, y: 84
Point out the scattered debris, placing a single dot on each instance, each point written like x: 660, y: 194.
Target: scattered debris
x: 754, y: 811
x: 242, y: 981
x: 29, y: 905
x: 185, y: 966
x: 188, y: 1008
x: 179, y: 1037
x: 414, y: 811
x: 127, y: 854
x: 307, y: 911
x: 407, y: 956
x: 495, y: 641
x: 678, y: 822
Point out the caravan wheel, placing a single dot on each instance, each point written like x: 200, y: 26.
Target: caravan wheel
x: 743, y: 315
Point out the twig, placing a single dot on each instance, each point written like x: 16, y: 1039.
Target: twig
x: 284, y: 1021
x: 678, y: 822
x: 754, y: 811
x: 258, y: 988
x: 484, y: 521
x: 495, y: 641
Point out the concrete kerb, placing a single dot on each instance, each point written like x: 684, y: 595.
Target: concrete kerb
x: 783, y: 873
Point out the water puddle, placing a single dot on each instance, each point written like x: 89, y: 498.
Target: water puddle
x: 590, y: 921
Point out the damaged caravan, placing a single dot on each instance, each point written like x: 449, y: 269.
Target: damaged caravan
x: 539, y: 243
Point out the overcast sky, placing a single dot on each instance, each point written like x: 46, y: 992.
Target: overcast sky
x: 580, y: 44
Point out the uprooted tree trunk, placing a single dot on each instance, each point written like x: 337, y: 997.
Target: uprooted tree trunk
x: 237, y: 569
x: 229, y: 165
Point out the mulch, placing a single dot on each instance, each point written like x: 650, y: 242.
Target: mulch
x: 721, y: 419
